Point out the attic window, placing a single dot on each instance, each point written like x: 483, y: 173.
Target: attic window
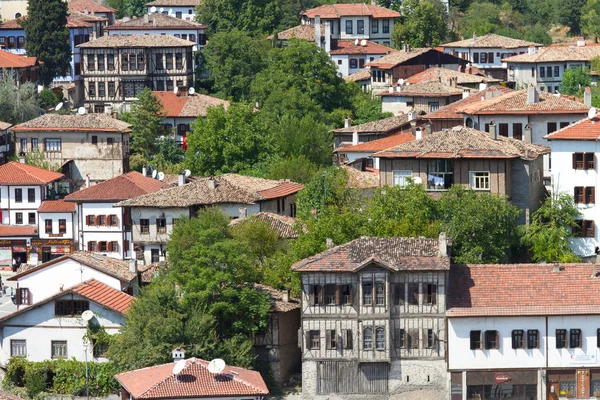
x: 64, y: 308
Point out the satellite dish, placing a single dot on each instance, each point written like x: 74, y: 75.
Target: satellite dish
x: 179, y: 366
x: 161, y: 9
x: 81, y: 110
x: 154, y: 173
x: 417, y: 180
x: 161, y: 176
x: 175, y: 90
x: 400, y: 81
x: 191, y: 91
x: 592, y: 112
x: 87, y: 315
x: 356, y: 42
x: 187, y: 173
x: 216, y: 366
x: 363, y: 43
x: 58, y: 106
x: 153, y: 9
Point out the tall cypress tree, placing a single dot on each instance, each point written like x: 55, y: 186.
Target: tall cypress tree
x: 48, y: 37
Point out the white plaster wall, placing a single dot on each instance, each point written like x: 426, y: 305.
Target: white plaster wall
x: 233, y: 210
x: 567, y: 358
x: 169, y: 32
x: 395, y: 104
x: 353, y: 156
x: 25, y: 205
x: 71, y: 226
x: 186, y: 12
x: 461, y: 357
x: 101, y: 233
x: 497, y: 64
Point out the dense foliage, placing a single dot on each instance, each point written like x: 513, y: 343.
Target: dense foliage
x: 423, y: 24
x: 17, y: 103
x: 145, y: 118
x: 134, y: 8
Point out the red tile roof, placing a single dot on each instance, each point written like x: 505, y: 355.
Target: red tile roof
x: 445, y: 74
x: 11, y: 24
x: 379, y: 144
x: 73, y: 22
x: 188, y: 106
x: 126, y: 186
x: 104, y: 295
x: 90, y: 6
x: 283, y: 189
x: 57, y: 206
x: 9, y: 60
x: 395, y: 253
x: 340, y: 47
x: 350, y: 10
x: 17, y: 230
x: 159, y: 382
x: 16, y: 173
x: 522, y: 289
x: 424, y: 89
x: 284, y: 226
x: 305, y: 32
x: 451, y: 111
x: 586, y: 129
x: 490, y: 40
x: 74, y: 123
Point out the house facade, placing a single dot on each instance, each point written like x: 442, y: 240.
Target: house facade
x: 57, y: 230
x: 423, y: 97
x: 367, y: 132
x: 12, y: 9
x: 93, y: 8
x: 25, y: 68
x: 116, y: 68
x: 182, y: 9
x: 351, y: 56
x: 6, y: 144
x: 373, y: 319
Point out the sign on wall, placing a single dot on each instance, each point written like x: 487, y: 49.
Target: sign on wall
x: 5, y: 256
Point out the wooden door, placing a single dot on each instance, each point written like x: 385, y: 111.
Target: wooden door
x: 553, y: 390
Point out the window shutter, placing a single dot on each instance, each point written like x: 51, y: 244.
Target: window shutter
x: 592, y: 161
x: 497, y: 342
x: 311, y: 295
x: 321, y: 295
x: 307, y: 339
x: 94, y: 220
x: 433, y: 295
x: 344, y: 338
x: 574, y: 160
x: 28, y: 293
x: 593, y: 195
x: 593, y: 229
x: 328, y: 339
x: 97, y: 246
x: 338, y: 295
x: 352, y: 295
x: 19, y: 299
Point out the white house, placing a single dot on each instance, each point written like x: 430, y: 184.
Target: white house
x: 351, y: 56
x: 103, y: 228
x: 52, y: 328
x: 520, y: 331
x: 182, y: 9
x: 57, y: 229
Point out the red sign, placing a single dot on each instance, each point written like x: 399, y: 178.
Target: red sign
x: 501, y: 378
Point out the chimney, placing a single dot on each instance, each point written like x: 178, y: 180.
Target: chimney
x: 466, y: 93
x: 474, y: 37
x: 144, y: 170
x: 87, y: 180
x: 483, y: 86
x: 178, y: 354
x: 587, y: 97
x: 146, y: 18
x: 418, y: 133
x: 243, y: 212
x: 532, y: 95
x: 527, y: 135
x: 412, y: 114
x: 428, y: 129
x: 580, y: 42
x: 181, y: 179
x: 347, y: 122
x: 442, y: 245
x: 211, y: 183
x: 285, y: 297
x: 354, y: 138
x: 531, y: 50
x: 327, y: 34
x: 318, y: 30
x: 133, y: 266
x: 492, y: 131
x: 329, y: 243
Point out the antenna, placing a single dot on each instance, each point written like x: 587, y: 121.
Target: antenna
x: 161, y: 176
x: 216, y: 366
x: 154, y: 173
x: 187, y: 173
x: 191, y: 91
x: 87, y: 315
x: 58, y: 106
x: 592, y: 112
x: 152, y: 9
x: 179, y: 366
x: 81, y: 110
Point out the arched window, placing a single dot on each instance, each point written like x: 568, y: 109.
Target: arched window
x: 469, y: 122
x: 367, y: 338
x: 380, y: 339
x: 18, y: 15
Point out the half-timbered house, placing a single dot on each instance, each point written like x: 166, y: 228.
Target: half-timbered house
x: 373, y: 319
x: 117, y: 68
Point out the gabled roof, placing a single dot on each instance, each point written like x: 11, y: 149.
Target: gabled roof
x: 425, y: 89
x: 16, y: 173
x: 557, y: 53
x: 368, y: 179
x: 284, y: 226
x: 445, y: 74
x: 515, y: 102
x: 400, y: 57
x: 349, y: 47
x: 90, y: 6
x: 362, y: 75
x: 278, y: 302
x: 228, y: 188
x: 12, y: 24
x: 75, y: 22
x: 111, y: 266
x: 181, y: 3
x: 4, y: 125
x: 395, y: 253
x: 463, y: 142
x: 586, y: 129
x: 159, y: 382
x: 18, y: 230
x: 86, y: 17
x: 10, y: 60
x: 191, y: 106
x: 335, y: 11
x: 135, y: 41
x: 380, y: 126
x: 70, y: 123
x: 491, y: 40
x: 522, y: 289
x: 452, y: 110
x: 122, y: 187
x: 56, y: 206
x: 305, y: 32
x: 156, y: 21
x: 378, y: 145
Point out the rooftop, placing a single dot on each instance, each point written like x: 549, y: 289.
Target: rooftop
x: 75, y: 20
x: 379, y: 144
x: 491, y: 40
x: 425, y: 89
x: 67, y: 122
x: 558, y: 53
x: 522, y: 289
x: 362, y: 75
x: 284, y: 226
x: 10, y: 60
x: 278, y: 303
x: 159, y: 382
x: 395, y: 253
x: 56, y: 206
x: 228, y: 188
x: 451, y: 111
x: 182, y: 3
x: 304, y: 32
x: 126, y: 186
x: 4, y: 125
x: 135, y: 41
x: 16, y: 173
x: 586, y: 129
x: 189, y: 106
x: 380, y: 126
x: 445, y: 74
x: 12, y: 24
x: 349, y: 47
x: 156, y: 21
x: 90, y: 6
x: 335, y: 11
x: 18, y: 230
x: 357, y: 179
x: 404, y: 56
x: 463, y: 142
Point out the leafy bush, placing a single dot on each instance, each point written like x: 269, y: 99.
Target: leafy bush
x: 47, y: 99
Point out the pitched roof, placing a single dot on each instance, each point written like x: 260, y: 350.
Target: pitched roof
x: 18, y: 230
x: 182, y: 3
x: 122, y: 187
x: 349, y: 47
x: 75, y: 22
x: 9, y: 60
x: 156, y: 21
x: 350, y: 10
x: 399, y: 57
x: 425, y: 89
x: 86, y: 17
x: 557, y: 53
x: 491, y: 40
x: 188, y: 106
x: 147, y: 272
x: 378, y: 145
x: 90, y: 6
x: 522, y: 289
x: 362, y: 75
x: 228, y: 188
x: 515, y: 102
x: 381, y: 125
x: 16, y: 173
x: 463, y: 142
x: 67, y: 122
x: 305, y: 32
x: 451, y: 111
x: 4, y: 125
x: 586, y: 129
x: 357, y: 179
x: 111, y: 266
x: 278, y: 303
x: 444, y: 74
x: 284, y: 226
x: 12, y: 24
x: 56, y: 206
x: 159, y: 382
x: 135, y: 41
x: 395, y: 253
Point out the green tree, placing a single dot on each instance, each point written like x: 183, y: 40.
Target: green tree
x: 568, y: 12
x: 47, y: 99
x: 575, y: 80
x: 551, y: 227
x: 119, y: 6
x: 541, y: 11
x: 298, y: 169
x: 590, y: 19
x: 421, y: 25
x: 537, y: 34
x: 134, y: 8
x: 233, y: 60
x: 145, y: 118
x: 481, y: 18
x: 17, y: 103
x: 48, y: 37
x: 328, y: 188
x: 255, y: 17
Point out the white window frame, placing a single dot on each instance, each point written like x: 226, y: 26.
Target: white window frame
x: 475, y: 182
x: 402, y: 176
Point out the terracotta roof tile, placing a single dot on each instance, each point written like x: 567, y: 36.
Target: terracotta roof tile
x: 126, y: 186
x: 425, y: 89
x: 75, y: 22
x: 11, y: 24
x: 156, y: 21
x: 4, y: 126
x: 463, y: 142
x: 56, y: 206
x: 148, y: 272
x: 350, y: 10
x: 586, y: 129
x: 399, y: 57
x: 396, y: 253
x: 158, y: 382
x: 281, y: 190
x: 135, y: 41
x: 491, y: 40
x: 380, y: 126
x: 14, y: 173
x: 362, y: 75
x: 104, y: 295
x: 451, y: 111
x: 368, y: 179
x: 379, y: 144
x: 58, y: 122
x: 522, y: 289
x: 558, y: 53
x: 348, y: 47
x: 86, y: 17
x: 18, y: 230
x: 284, y: 226
x: 278, y: 304
x: 9, y: 60
x: 304, y: 32
x: 188, y: 106
x: 444, y: 74
x: 182, y: 3
x: 89, y: 5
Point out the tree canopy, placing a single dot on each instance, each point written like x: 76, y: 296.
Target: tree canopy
x: 575, y: 80
x: 134, y: 8
x: 145, y: 118
x: 17, y: 103
x: 422, y: 24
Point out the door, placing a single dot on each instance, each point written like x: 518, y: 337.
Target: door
x: 553, y: 390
